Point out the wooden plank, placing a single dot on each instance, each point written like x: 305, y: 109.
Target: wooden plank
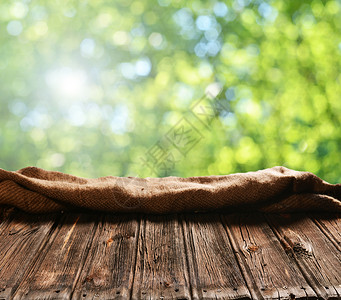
x: 161, y: 268
x: 316, y: 256
x: 330, y: 225
x: 22, y: 238
x: 109, y: 269
x: 214, y: 270
x: 268, y: 269
x: 5, y: 214
x: 58, y: 267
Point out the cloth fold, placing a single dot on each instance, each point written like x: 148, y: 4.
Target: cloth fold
x: 273, y: 190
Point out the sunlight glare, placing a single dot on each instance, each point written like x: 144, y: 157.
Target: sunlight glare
x: 67, y: 82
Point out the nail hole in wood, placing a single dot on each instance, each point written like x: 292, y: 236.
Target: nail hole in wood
x: 118, y: 292
x: 176, y: 290
x: 57, y: 291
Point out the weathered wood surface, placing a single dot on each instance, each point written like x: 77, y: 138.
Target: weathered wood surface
x: 215, y: 273
x: 22, y: 238
x: 109, y: 269
x: 192, y: 256
x: 59, y: 264
x: 161, y: 266
x: 316, y: 256
x: 272, y: 274
x: 330, y: 226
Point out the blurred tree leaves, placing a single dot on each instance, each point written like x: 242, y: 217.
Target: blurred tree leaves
x: 92, y: 87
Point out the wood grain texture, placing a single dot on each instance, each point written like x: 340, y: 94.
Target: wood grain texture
x: 316, y: 256
x: 21, y: 239
x: 330, y: 225
x: 161, y: 268
x: 192, y: 256
x: 59, y: 264
x: 269, y: 270
x: 214, y: 271
x: 109, y: 269
x: 5, y: 214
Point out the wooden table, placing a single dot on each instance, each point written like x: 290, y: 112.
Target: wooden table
x: 190, y: 256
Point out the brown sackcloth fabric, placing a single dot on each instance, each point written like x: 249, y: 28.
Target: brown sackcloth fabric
x: 277, y: 189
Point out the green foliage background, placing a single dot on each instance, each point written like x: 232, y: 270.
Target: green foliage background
x: 89, y: 87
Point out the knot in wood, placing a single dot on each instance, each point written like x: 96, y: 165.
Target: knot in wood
x: 252, y: 248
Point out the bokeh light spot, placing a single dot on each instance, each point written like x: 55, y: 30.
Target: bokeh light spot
x: 87, y: 47
x: 19, y: 10
x: 155, y: 39
x: 121, y: 38
x: 143, y: 67
x: 203, y: 22
x: 14, y: 28
x: 220, y: 9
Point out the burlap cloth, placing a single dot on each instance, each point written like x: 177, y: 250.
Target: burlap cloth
x: 277, y: 189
